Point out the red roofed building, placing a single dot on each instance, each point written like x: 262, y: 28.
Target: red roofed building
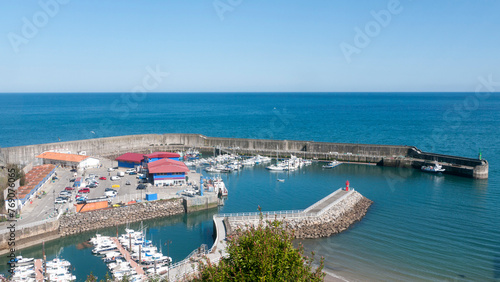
x: 161, y: 155
x: 131, y: 160
x: 167, y: 172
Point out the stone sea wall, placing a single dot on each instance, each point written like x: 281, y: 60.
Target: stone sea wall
x: 335, y: 220
x: 86, y: 221
x: 385, y: 155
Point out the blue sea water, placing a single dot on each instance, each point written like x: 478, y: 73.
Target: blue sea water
x: 420, y: 227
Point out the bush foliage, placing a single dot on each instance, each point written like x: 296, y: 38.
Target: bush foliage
x: 262, y: 253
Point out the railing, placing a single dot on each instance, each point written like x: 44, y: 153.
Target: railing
x: 202, y: 250
x: 266, y: 214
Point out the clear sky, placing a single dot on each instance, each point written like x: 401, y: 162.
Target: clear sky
x: 248, y: 45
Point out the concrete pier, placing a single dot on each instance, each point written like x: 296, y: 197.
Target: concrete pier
x: 384, y: 155
x: 39, y: 270
x: 340, y: 202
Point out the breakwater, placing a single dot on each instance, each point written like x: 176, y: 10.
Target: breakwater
x: 81, y: 222
x: 383, y: 155
x: 330, y: 220
x: 65, y: 225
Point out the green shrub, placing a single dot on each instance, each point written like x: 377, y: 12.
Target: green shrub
x: 262, y: 253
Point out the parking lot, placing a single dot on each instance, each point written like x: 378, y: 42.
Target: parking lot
x: 44, y: 207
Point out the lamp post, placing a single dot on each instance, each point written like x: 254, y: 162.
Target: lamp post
x: 54, y: 198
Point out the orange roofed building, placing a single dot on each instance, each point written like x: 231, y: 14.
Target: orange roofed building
x: 34, y: 180
x: 69, y: 160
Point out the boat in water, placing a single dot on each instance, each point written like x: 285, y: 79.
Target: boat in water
x: 436, y: 168
x: 19, y: 260
x: 332, y: 164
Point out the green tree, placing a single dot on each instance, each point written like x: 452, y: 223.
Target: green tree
x: 91, y: 278
x: 262, y: 253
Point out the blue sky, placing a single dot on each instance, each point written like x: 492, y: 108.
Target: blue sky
x: 252, y: 46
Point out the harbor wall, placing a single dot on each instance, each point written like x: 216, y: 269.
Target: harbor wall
x: 81, y: 222
x: 205, y: 202
x: 386, y: 155
x: 29, y: 233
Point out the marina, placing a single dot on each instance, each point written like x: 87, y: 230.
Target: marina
x: 130, y: 254
x: 435, y: 213
x: 38, y: 270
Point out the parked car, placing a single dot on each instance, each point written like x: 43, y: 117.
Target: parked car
x: 120, y: 173
x: 60, y: 201
x: 81, y: 200
x: 110, y: 194
x: 130, y: 170
x: 69, y: 188
x: 133, y: 173
x: 113, y: 178
x: 84, y: 190
x: 109, y: 189
x: 72, y: 180
x: 127, y: 182
x: 102, y: 178
x: 65, y: 193
x: 110, y: 169
x: 141, y: 186
x: 92, y: 185
x: 79, y: 196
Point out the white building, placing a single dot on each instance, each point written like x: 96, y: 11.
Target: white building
x: 69, y: 160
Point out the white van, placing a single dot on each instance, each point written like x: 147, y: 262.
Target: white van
x: 110, y: 194
x: 120, y: 173
x: 111, y: 169
x: 113, y: 178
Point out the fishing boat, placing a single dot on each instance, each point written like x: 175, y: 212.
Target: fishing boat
x: 436, y: 168
x: 19, y: 260
x: 212, y: 169
x: 281, y: 180
x: 57, y: 262
x: 101, y: 249
x: 277, y: 167
x: 332, y: 164
x: 220, y: 187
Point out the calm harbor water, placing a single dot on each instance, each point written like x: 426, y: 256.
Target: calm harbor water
x: 420, y: 227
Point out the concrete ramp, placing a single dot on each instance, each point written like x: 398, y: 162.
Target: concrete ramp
x: 324, y: 204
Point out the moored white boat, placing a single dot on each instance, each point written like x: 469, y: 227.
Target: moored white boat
x: 436, y: 168
x: 332, y: 164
